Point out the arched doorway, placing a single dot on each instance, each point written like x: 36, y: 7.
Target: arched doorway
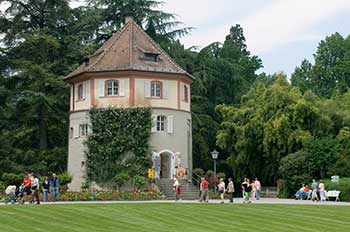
x: 166, y: 163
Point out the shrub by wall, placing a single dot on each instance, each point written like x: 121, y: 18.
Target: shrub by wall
x: 12, y: 179
x: 119, y: 141
x: 110, y: 196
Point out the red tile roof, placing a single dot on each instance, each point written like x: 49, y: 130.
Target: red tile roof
x: 125, y: 50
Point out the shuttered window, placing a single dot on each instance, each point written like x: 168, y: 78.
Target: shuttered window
x: 83, y: 130
x: 156, y: 89
x: 112, y: 87
x: 161, y: 123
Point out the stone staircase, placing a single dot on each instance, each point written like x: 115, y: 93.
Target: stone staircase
x: 188, y: 190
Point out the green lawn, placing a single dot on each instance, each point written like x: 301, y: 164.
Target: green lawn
x: 174, y: 217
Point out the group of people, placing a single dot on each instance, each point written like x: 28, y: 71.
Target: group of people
x: 31, y: 187
x: 251, y: 191
x: 316, y: 193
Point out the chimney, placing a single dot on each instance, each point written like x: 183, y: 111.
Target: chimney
x: 129, y: 19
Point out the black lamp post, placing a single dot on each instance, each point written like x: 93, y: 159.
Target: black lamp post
x: 214, y: 155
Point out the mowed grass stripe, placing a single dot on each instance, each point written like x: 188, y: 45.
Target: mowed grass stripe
x: 261, y: 215
x: 303, y: 218
x: 280, y: 217
x: 57, y: 219
x: 174, y: 217
x: 325, y: 213
x: 131, y: 216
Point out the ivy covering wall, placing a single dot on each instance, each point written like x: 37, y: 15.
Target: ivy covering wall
x: 119, y: 142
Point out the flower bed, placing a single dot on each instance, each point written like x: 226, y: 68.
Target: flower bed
x: 110, y: 196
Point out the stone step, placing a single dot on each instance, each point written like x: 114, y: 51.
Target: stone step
x: 188, y: 190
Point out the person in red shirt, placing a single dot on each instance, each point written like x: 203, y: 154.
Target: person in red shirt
x: 204, y: 187
x: 27, y: 182
x: 25, y: 188
x: 306, y: 189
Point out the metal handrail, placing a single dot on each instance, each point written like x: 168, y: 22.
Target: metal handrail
x: 196, y: 178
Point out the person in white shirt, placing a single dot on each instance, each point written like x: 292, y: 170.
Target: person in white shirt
x: 222, y: 189
x: 177, y: 189
x: 35, y: 189
x: 322, y: 191
x: 11, y: 193
x: 257, y: 189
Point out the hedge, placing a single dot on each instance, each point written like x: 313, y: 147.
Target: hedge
x: 343, y: 186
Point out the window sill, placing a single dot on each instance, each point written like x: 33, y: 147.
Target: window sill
x: 112, y: 96
x: 156, y: 98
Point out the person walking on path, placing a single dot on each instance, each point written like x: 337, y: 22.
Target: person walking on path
x: 205, y: 187
x: 54, y: 184
x: 322, y: 191
x: 46, y: 188
x: 230, y: 189
x: 35, y: 189
x: 222, y: 189
x: 246, y: 188
x: 177, y: 189
x: 257, y: 189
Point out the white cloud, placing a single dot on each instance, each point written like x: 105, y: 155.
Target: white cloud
x: 287, y: 21
x: 267, y: 24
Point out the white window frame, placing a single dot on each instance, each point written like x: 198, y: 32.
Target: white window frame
x: 113, y: 86
x: 160, y: 123
x: 83, y: 130
x: 156, y: 89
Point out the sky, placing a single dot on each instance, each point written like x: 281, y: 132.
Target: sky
x: 281, y: 32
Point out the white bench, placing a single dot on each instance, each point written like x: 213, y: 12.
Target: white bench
x: 333, y: 193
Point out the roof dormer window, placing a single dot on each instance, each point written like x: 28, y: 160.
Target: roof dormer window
x: 152, y: 57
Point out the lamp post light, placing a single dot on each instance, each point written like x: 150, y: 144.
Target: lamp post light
x: 214, y: 155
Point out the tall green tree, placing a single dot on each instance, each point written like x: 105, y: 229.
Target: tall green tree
x: 224, y: 72
x: 34, y: 112
x: 158, y: 24
x: 330, y: 74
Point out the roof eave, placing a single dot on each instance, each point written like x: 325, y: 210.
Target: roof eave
x: 67, y: 78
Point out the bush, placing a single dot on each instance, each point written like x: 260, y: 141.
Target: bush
x: 12, y: 179
x: 343, y: 186
x: 85, y: 186
x: 138, y: 182
x: 3, y: 186
x: 220, y: 175
x: 121, y: 178
x: 200, y: 172
x: 65, y: 178
x: 210, y: 174
x: 109, y: 196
